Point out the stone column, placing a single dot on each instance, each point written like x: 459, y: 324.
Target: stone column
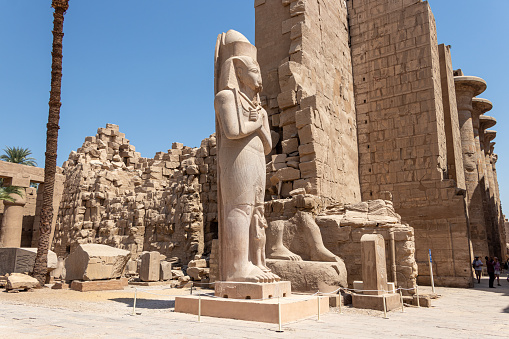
x: 12, y: 221
x: 486, y: 122
x: 468, y: 87
x: 479, y: 107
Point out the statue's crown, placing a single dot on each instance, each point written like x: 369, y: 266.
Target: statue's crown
x: 228, y: 45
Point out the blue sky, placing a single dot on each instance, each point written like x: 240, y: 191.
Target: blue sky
x: 147, y: 66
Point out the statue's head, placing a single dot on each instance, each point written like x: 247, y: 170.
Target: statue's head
x: 235, y: 63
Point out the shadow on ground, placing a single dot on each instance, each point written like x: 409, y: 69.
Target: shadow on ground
x: 503, y: 289
x: 146, y: 303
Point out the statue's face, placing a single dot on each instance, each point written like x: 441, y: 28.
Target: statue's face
x: 251, y: 77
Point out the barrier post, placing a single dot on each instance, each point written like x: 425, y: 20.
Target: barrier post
x: 340, y: 307
x: 417, y: 295
x: 191, y: 288
x: 431, y: 272
x: 385, y: 307
x: 401, y: 299
x: 279, y: 314
x: 134, y: 302
x: 199, y: 308
x: 318, y: 300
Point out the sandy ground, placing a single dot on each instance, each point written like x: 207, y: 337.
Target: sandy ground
x: 45, y: 313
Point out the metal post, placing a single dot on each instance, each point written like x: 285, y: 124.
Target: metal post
x: 340, y: 308
x: 134, y: 302
x: 385, y: 307
x: 191, y: 288
x: 199, y: 308
x: 279, y: 314
x: 417, y: 295
x: 318, y: 300
x: 431, y: 272
x: 401, y: 298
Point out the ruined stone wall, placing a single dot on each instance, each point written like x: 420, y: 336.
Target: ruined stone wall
x: 401, y: 129
x: 305, y: 60
x: 113, y: 196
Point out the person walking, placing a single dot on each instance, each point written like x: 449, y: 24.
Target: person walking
x: 497, y: 267
x: 477, y: 264
x: 491, y: 271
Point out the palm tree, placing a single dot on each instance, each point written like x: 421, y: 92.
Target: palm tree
x: 5, y: 193
x: 18, y: 155
x: 50, y: 166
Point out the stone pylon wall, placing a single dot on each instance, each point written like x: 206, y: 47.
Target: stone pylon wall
x: 306, y: 67
x: 402, y: 131
x: 115, y: 197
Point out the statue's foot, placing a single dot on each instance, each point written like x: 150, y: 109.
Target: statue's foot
x: 271, y: 276
x: 282, y: 253
x: 323, y: 254
x: 255, y: 274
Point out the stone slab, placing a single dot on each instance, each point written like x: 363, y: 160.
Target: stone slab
x: 60, y: 286
x: 21, y: 260
x: 310, y: 276
x: 294, y: 308
x: 245, y: 290
x: 171, y: 283
x: 96, y: 262
x: 375, y: 302
x: 99, y: 285
x: 21, y: 281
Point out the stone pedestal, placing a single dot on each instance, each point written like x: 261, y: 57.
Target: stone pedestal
x: 243, y: 290
x: 376, y: 302
x: 292, y: 309
x: 374, y: 287
x: 12, y: 221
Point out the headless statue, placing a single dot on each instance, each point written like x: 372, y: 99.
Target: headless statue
x: 244, y: 138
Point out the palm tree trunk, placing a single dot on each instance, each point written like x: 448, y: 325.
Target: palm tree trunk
x: 50, y: 166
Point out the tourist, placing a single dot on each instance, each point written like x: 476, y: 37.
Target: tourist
x: 496, y: 266
x: 491, y: 271
x: 477, y: 264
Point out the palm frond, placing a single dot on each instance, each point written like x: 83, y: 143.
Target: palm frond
x: 5, y: 193
x: 18, y: 155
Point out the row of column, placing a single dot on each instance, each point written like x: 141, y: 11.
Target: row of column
x: 483, y: 200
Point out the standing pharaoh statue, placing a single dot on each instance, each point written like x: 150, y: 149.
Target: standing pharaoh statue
x: 243, y: 138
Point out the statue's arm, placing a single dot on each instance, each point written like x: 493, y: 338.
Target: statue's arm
x: 226, y: 111
x: 265, y: 133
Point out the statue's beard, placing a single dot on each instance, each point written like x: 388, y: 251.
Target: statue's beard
x: 259, y: 89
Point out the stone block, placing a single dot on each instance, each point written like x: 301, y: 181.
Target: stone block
x: 21, y: 281
x: 150, y: 266
x: 21, y: 260
x: 376, y: 302
x: 290, y: 145
x: 99, y: 285
x: 374, y: 272
x: 288, y: 174
x: 244, y: 290
x: 96, y: 262
x: 165, y: 273
x: 201, y: 263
